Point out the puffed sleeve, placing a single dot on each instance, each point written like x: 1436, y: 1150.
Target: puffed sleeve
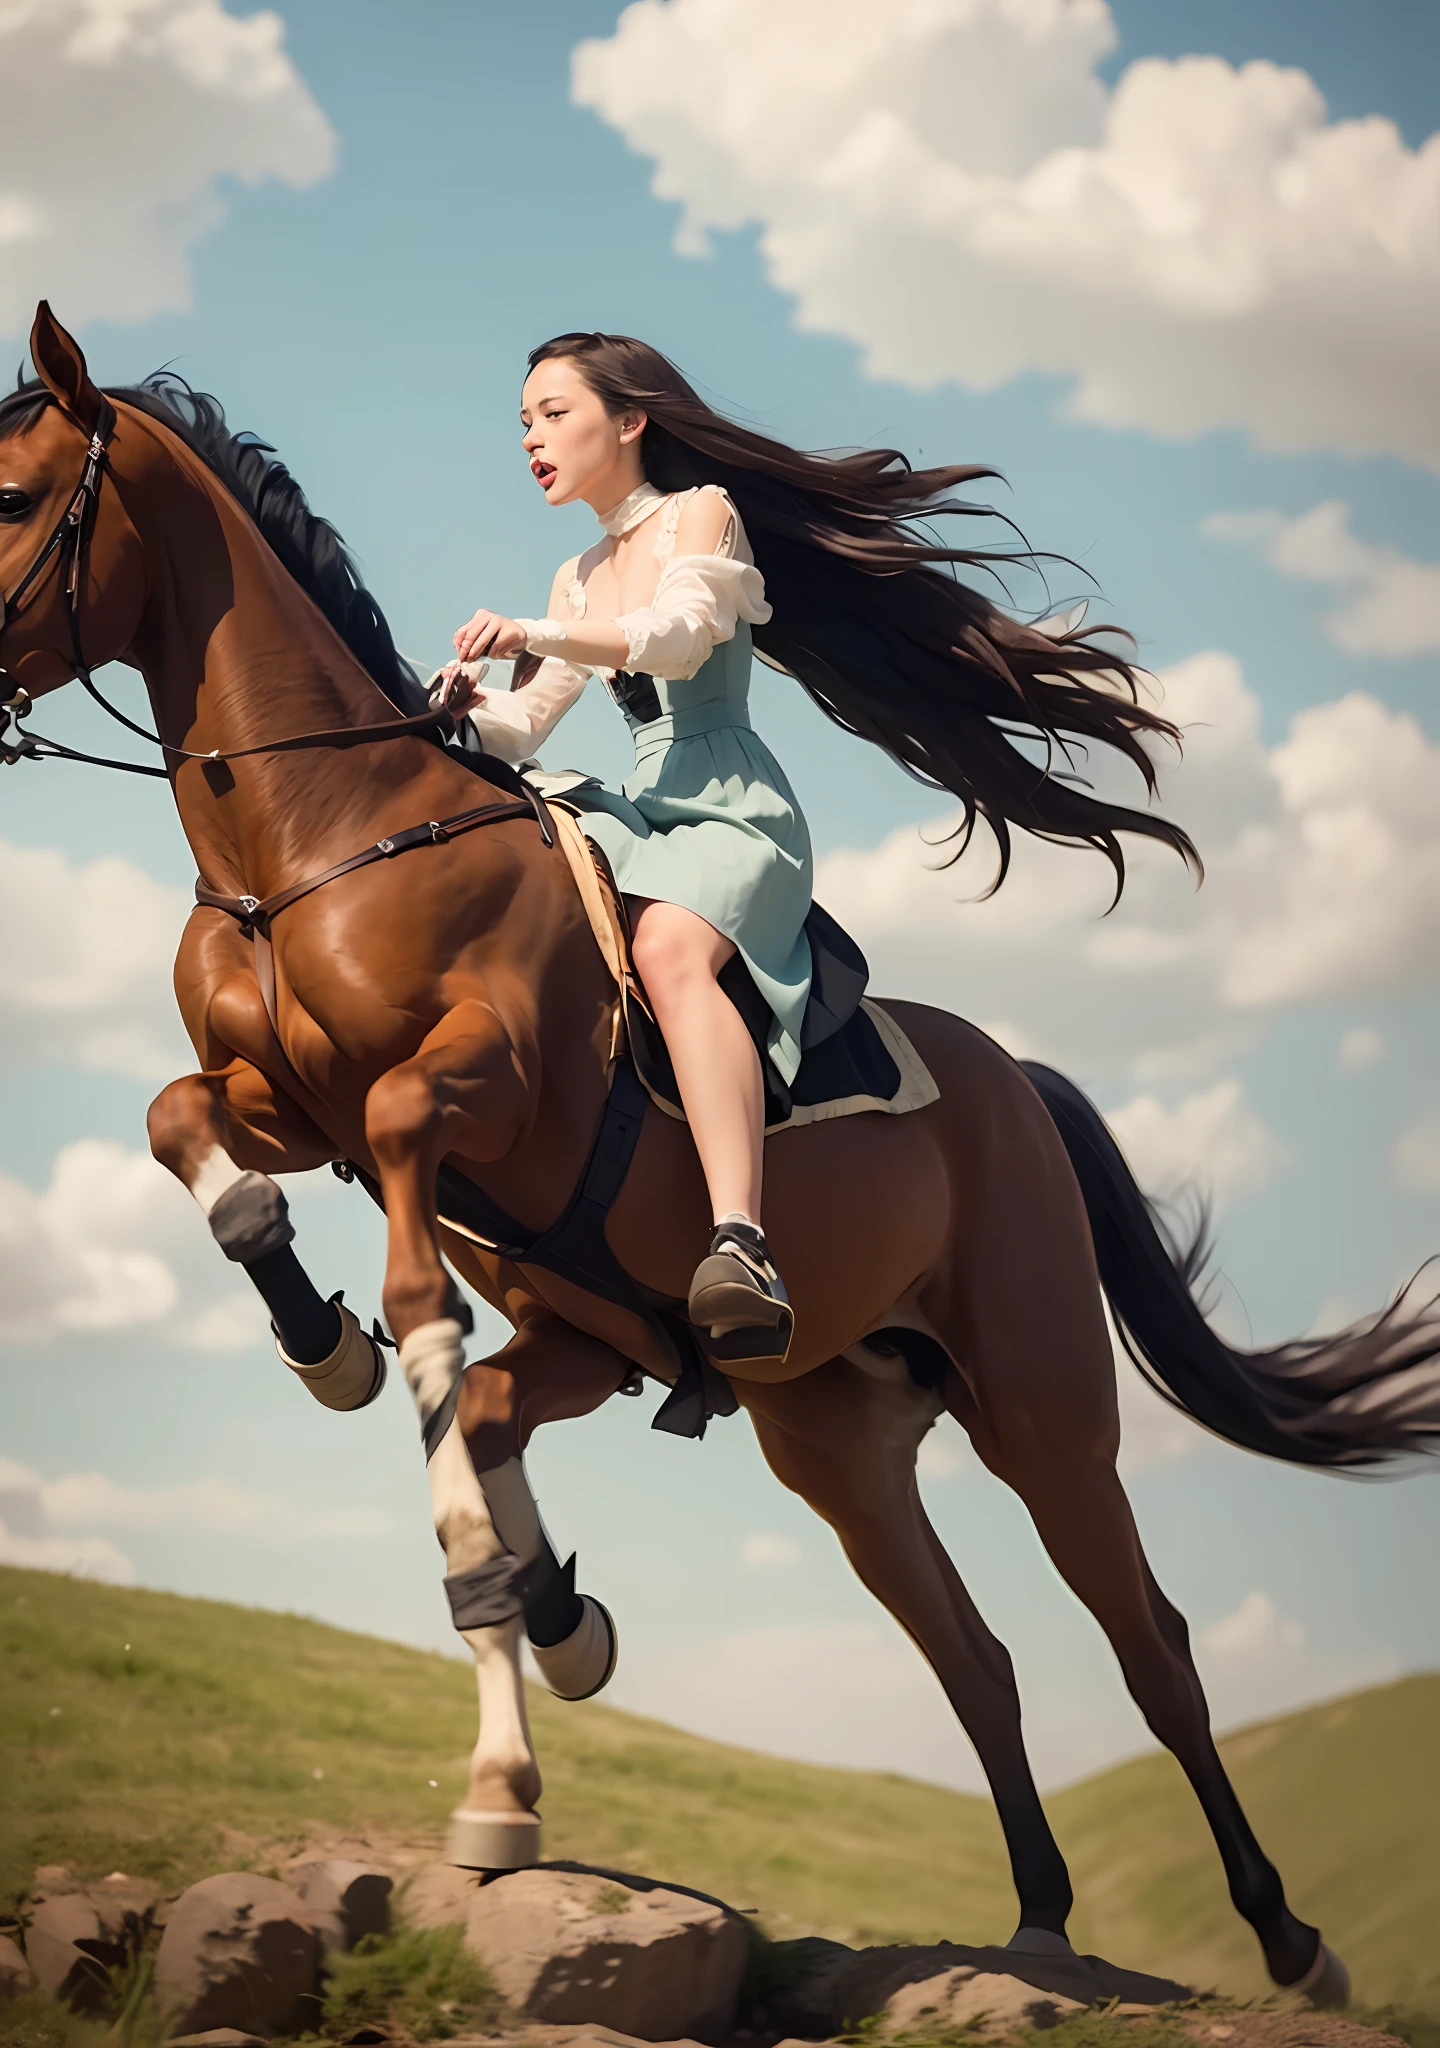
x: 697, y: 604
x: 515, y: 724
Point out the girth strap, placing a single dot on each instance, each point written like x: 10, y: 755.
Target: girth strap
x: 575, y: 1248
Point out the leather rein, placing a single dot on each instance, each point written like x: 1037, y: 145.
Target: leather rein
x: 68, y: 548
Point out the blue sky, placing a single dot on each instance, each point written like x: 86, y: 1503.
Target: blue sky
x: 416, y: 201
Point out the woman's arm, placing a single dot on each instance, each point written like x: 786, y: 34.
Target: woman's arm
x: 513, y: 724
x: 703, y: 590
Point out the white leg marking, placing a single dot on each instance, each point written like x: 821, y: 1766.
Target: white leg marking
x: 432, y: 1358
x: 217, y: 1174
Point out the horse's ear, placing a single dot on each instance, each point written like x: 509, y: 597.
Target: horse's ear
x: 58, y: 358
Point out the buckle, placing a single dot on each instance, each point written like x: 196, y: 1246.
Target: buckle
x: 249, y: 904
x: 438, y: 834
x: 386, y: 846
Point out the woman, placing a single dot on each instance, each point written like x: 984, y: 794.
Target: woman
x: 712, y: 534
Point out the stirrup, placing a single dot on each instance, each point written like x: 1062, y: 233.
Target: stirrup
x: 739, y: 1299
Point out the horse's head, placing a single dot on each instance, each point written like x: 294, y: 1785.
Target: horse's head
x: 68, y: 552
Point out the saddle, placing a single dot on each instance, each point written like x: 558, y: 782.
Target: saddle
x: 854, y: 1056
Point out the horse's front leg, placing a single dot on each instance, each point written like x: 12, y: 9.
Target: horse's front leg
x: 223, y: 1133
x: 466, y: 1091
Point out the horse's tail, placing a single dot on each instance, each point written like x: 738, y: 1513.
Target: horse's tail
x: 1359, y: 1399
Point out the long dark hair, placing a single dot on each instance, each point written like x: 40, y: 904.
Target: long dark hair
x: 872, y: 619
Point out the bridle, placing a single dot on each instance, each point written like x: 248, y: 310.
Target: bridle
x: 69, y: 548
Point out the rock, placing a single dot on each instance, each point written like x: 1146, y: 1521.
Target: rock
x: 77, y: 1937
x: 238, y: 1951
x: 438, y: 1895
x: 570, y: 1947
x: 820, y: 1987
x: 344, y: 1900
x: 217, y: 2037
x: 16, y: 1974
x: 608, y: 2037
x: 980, y: 2001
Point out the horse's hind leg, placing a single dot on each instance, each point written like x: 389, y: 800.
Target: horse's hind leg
x: 844, y: 1438
x: 223, y: 1134
x: 1085, y: 1522
x: 1023, y: 1311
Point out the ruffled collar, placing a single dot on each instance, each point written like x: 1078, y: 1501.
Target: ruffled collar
x: 630, y: 511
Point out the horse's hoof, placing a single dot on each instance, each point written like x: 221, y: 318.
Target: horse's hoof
x: 1038, y: 1941
x: 584, y: 1663
x: 493, y: 1841
x: 1326, y: 1984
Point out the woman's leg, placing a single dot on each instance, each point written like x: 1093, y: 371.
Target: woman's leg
x: 736, y: 1293
x: 717, y: 1069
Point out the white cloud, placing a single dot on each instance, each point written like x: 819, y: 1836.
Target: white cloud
x: 1255, y: 1626
x: 83, y: 1557
x: 1416, y: 1157
x: 950, y: 185
x: 764, y: 1552
x: 1323, y: 884
x: 67, y: 1511
x: 1360, y: 1047
x: 1213, y: 1140
x: 115, y: 1243
x: 88, y: 950
x: 1395, y: 606
x: 1257, y: 1661
x: 123, y: 118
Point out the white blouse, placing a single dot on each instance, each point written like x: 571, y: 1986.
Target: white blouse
x: 697, y: 604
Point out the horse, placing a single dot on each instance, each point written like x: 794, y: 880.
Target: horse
x: 440, y: 1007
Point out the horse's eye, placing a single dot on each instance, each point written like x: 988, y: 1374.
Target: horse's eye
x: 14, y: 503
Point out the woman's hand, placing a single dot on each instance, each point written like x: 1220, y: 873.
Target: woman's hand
x: 490, y: 633
x: 454, y: 691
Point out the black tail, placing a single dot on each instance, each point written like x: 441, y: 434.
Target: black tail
x: 1357, y: 1400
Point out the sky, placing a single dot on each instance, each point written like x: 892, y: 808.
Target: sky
x: 1181, y: 286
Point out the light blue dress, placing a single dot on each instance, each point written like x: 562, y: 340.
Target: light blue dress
x: 709, y: 821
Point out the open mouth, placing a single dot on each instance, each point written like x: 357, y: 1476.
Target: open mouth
x: 543, y: 473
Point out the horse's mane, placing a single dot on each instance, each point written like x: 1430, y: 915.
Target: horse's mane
x: 308, y: 546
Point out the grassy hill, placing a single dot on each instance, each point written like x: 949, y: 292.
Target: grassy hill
x: 172, y: 1737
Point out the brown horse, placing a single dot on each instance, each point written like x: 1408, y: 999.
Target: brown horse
x: 452, y: 1008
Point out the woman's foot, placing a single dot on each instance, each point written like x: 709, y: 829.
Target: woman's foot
x: 739, y: 1298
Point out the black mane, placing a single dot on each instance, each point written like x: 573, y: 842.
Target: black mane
x: 309, y: 547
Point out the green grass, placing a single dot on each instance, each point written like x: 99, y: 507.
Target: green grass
x: 417, y: 1981
x: 196, y: 1750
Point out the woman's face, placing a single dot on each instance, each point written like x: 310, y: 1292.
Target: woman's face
x: 576, y: 448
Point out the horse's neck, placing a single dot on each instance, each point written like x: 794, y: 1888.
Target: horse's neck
x: 234, y: 654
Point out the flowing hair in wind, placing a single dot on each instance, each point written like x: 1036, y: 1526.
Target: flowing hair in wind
x: 873, y: 620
